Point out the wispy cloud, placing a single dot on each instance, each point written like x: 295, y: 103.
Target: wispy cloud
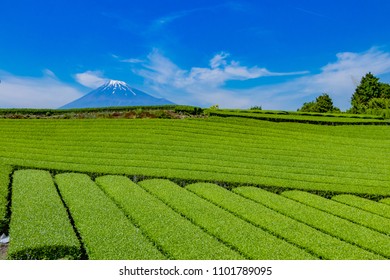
x: 205, y: 86
x: 91, y: 79
x: 339, y: 79
x: 312, y: 13
x: 169, y: 18
x: 32, y: 92
x: 159, y: 69
x: 201, y: 85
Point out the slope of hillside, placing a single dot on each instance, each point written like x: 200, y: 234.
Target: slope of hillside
x: 345, y: 159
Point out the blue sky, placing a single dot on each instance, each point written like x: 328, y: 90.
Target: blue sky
x: 238, y: 54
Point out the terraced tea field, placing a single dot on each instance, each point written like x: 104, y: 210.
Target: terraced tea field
x: 212, y: 188
x: 115, y: 218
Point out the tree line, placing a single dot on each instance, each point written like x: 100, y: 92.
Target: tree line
x: 370, y: 97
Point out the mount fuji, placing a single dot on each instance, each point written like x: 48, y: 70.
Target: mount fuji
x: 115, y: 93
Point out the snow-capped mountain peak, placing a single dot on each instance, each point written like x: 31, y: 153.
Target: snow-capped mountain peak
x: 115, y: 93
x: 116, y: 85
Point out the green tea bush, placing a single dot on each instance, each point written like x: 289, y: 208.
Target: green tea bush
x: 40, y: 227
x: 385, y: 201
x: 104, y: 229
x: 175, y: 235
x: 364, y: 204
x: 345, y: 230
x: 251, y: 241
x: 5, y: 172
x: 352, y: 214
x: 314, y: 241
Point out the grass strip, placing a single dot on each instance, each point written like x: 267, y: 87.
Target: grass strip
x: 177, y: 236
x: 104, y: 229
x: 341, y: 210
x: 5, y: 172
x: 364, y: 204
x: 40, y: 226
x: 345, y: 230
x: 281, y: 225
x: 251, y: 241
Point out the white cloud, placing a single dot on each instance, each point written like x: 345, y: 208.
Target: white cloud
x: 338, y: 78
x: 160, y: 70
x: 132, y: 60
x: 91, y: 79
x: 219, y: 60
x: 204, y: 86
x: 31, y: 92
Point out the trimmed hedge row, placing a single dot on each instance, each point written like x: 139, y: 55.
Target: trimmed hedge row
x: 104, y: 229
x: 317, y: 242
x: 251, y: 241
x: 386, y: 201
x: 175, y: 235
x: 352, y: 214
x: 364, y: 204
x: 345, y: 230
x: 40, y: 227
x: 348, y: 159
x: 309, y: 119
x: 5, y: 172
x: 29, y: 111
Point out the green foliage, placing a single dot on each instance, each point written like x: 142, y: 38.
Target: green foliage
x: 351, y: 159
x: 234, y: 231
x: 368, y: 88
x: 371, y: 96
x: 385, y: 201
x: 256, y: 108
x: 303, y: 117
x: 105, y: 231
x: 282, y: 226
x: 322, y: 104
x: 40, y: 228
x: 189, y: 110
x: 175, y: 235
x: 385, y: 90
x: 364, y: 204
x: 5, y: 172
x: 361, y: 236
x: 352, y: 214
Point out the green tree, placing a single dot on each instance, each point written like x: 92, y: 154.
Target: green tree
x: 322, y: 104
x: 385, y: 90
x: 325, y: 103
x: 368, y: 89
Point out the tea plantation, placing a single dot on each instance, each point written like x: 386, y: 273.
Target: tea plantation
x: 220, y: 187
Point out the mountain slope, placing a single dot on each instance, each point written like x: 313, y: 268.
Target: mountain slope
x: 115, y: 93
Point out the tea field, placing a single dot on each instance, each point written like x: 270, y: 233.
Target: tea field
x: 194, y: 188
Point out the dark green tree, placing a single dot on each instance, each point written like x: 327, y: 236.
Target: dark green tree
x: 369, y: 88
x: 385, y: 90
x: 322, y: 104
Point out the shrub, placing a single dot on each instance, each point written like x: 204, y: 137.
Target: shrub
x: 106, y: 232
x: 365, y: 204
x: 5, y: 172
x: 40, y: 227
x: 361, y: 236
x: 317, y: 242
x: 174, y: 234
x: 223, y: 225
